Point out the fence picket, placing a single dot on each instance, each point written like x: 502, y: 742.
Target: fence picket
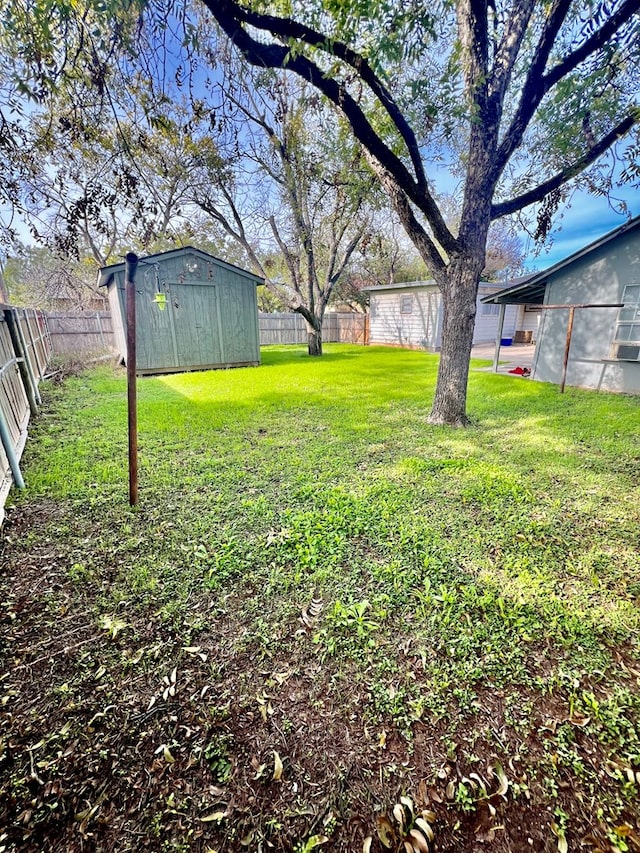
x: 23, y: 361
x: 290, y: 328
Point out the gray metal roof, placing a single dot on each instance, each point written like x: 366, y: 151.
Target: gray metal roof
x: 531, y: 290
x: 521, y: 291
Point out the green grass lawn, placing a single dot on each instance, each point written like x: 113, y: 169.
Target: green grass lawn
x: 323, y: 604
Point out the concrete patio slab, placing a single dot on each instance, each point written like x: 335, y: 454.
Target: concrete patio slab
x: 516, y: 355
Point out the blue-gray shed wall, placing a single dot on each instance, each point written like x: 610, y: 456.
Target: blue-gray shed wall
x: 599, y: 277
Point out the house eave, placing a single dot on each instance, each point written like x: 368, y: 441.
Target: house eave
x: 532, y: 291
x: 416, y: 285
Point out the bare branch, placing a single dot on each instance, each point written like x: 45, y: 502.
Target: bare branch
x: 290, y: 260
x: 228, y: 15
x: 340, y: 266
x: 237, y: 233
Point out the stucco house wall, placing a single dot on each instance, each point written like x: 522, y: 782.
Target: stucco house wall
x: 598, y: 277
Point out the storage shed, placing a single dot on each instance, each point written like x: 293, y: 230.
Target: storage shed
x: 602, y: 282
x: 193, y: 312
x: 409, y: 314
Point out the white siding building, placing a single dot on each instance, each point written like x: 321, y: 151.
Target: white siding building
x: 409, y: 315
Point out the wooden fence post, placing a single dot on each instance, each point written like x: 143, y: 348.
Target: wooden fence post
x: 132, y: 402
x: 5, y: 439
x: 34, y: 347
x: 567, y: 347
x: 25, y: 350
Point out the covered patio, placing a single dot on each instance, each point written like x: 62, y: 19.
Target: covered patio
x: 516, y: 355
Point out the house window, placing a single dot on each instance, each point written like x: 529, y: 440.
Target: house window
x: 490, y: 309
x: 406, y: 304
x: 626, y: 341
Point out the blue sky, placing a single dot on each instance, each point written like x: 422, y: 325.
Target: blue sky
x: 587, y: 218
x: 575, y: 225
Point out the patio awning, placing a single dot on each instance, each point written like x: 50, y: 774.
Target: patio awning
x: 530, y: 290
x: 526, y: 291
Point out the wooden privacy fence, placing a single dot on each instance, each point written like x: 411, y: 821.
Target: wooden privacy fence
x: 347, y: 328
x: 80, y: 333
x: 25, y: 350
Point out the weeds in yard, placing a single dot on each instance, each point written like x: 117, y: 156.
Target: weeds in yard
x: 315, y: 573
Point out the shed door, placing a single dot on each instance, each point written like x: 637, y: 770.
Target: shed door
x: 195, y: 317
x: 155, y: 344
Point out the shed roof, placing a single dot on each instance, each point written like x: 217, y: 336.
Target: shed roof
x: 531, y: 289
x: 106, y: 274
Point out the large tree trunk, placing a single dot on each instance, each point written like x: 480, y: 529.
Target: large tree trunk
x: 314, y: 336
x: 459, y: 313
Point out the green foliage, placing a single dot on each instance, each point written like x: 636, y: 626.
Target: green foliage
x: 307, y: 547
x: 303, y: 478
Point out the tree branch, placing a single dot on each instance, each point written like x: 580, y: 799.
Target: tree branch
x: 229, y: 14
x: 290, y: 260
x: 532, y: 90
x: 561, y: 178
x: 626, y: 11
x: 238, y: 233
x: 348, y: 252
x: 473, y: 28
x: 287, y: 28
x: 411, y: 224
x: 508, y: 49
x: 538, y: 84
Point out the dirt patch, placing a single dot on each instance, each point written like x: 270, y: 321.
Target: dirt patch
x: 132, y: 734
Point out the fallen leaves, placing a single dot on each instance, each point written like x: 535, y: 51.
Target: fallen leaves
x: 196, y: 651
x: 277, y: 767
x: 166, y: 753
x: 407, y: 830
x: 112, y: 625
x: 170, y: 684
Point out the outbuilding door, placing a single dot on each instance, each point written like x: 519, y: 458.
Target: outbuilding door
x: 185, y: 334
x: 194, y: 309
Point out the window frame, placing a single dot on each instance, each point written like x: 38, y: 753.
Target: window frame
x: 490, y: 309
x: 406, y: 298
x: 628, y: 318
